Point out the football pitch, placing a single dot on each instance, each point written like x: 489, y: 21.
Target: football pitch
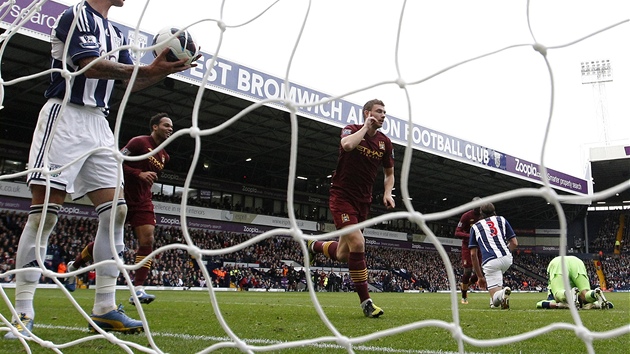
x: 185, y: 322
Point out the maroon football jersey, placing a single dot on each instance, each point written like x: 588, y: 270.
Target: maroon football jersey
x: 137, y: 192
x: 467, y: 220
x: 357, y: 169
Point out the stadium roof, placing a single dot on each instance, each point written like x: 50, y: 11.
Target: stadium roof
x: 436, y: 183
x: 610, y: 167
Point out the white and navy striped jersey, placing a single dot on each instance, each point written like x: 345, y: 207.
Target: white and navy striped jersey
x: 93, y: 36
x: 490, y: 235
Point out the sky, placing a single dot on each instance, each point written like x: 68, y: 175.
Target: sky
x: 500, y: 101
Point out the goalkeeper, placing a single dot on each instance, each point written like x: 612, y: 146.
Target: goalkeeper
x: 581, y: 293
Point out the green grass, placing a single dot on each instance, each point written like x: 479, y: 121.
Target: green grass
x: 185, y: 322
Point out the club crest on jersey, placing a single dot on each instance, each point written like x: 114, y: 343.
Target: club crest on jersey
x: 118, y: 41
x: 381, y: 145
x: 345, y: 218
x: 88, y: 42
x: 141, y: 41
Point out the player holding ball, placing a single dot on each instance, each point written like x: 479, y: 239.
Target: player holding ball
x: 73, y: 121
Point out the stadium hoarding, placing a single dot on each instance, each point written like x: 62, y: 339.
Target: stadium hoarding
x: 232, y: 216
x: 253, y: 85
x: 39, y: 24
x: 407, y: 245
x: 540, y: 249
x: 211, y: 225
x: 24, y: 205
x: 384, y: 234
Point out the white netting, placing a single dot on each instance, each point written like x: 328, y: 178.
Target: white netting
x: 404, y: 83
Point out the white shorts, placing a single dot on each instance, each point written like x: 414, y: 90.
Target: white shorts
x: 78, y: 130
x: 493, y: 270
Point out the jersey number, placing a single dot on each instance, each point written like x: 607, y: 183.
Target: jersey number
x: 493, y: 230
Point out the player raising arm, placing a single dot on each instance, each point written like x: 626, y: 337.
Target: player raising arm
x: 362, y: 150
x: 77, y: 110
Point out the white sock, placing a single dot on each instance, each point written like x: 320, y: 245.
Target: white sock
x: 25, y: 307
x: 105, y: 298
x: 106, y: 275
x: 104, y: 303
x: 26, y: 282
x: 497, y: 298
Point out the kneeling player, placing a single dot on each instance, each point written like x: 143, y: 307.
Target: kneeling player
x: 581, y: 293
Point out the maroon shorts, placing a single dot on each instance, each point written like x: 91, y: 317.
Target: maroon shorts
x: 346, y: 212
x: 466, y: 258
x: 140, y: 217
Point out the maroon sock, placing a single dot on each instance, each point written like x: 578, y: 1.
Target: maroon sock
x: 142, y: 272
x: 328, y: 248
x: 84, y: 256
x: 359, y: 274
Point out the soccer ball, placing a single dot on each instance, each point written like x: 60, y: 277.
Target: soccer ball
x: 182, y: 46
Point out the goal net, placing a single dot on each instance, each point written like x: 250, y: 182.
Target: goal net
x: 390, y: 75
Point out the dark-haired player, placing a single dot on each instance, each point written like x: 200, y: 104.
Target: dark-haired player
x: 362, y: 150
x: 63, y: 135
x: 462, y: 231
x: 139, y: 178
x: 494, y: 237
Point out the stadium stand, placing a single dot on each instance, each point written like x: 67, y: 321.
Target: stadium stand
x: 271, y: 264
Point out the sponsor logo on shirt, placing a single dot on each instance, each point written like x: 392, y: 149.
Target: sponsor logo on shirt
x: 155, y: 162
x: 373, y: 154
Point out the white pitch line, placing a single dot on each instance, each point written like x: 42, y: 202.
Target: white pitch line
x: 263, y: 341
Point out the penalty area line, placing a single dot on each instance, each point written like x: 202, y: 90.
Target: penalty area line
x: 259, y: 341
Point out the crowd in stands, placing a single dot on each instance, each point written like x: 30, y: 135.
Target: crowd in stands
x: 264, y: 264
x: 607, y: 233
